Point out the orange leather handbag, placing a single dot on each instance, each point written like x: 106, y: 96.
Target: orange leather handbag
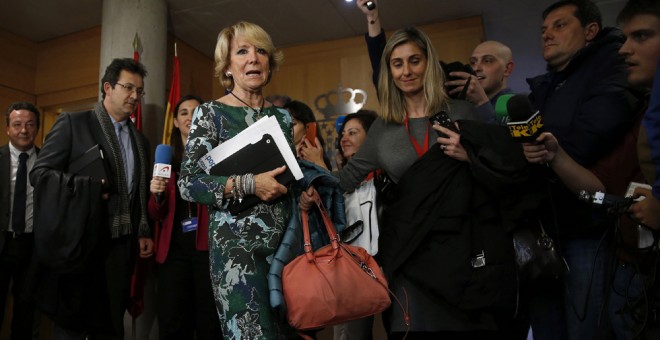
x: 334, y: 284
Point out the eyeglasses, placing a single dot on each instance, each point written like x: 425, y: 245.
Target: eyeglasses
x: 130, y: 88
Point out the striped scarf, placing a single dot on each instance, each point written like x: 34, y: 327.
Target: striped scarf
x: 119, y: 207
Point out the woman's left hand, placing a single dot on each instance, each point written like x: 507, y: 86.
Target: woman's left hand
x: 267, y: 188
x: 312, y: 153
x: 451, y: 145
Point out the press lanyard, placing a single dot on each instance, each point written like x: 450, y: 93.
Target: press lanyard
x: 420, y: 151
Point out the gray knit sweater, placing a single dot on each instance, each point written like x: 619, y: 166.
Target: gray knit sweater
x: 388, y: 147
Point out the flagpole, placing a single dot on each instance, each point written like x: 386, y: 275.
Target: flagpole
x: 175, y: 92
x: 137, y: 115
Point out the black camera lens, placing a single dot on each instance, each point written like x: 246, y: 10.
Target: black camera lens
x: 370, y: 5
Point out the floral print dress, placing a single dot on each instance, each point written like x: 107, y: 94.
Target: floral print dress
x: 240, y: 247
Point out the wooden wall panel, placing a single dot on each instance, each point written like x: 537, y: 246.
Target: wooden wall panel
x: 69, y: 62
x: 18, y: 61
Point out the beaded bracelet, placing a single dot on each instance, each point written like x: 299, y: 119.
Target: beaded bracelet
x: 232, y: 178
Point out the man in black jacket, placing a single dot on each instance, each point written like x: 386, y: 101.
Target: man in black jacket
x: 112, y: 229
x: 585, y: 102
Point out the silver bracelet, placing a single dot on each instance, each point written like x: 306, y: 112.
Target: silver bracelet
x: 248, y: 184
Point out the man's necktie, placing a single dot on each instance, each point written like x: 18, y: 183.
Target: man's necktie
x: 20, y: 196
x: 124, y: 139
x: 124, y: 156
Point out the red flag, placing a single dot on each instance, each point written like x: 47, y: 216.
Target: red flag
x: 175, y: 94
x: 136, y: 117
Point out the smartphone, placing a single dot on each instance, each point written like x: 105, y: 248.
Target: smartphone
x: 443, y: 119
x: 311, y: 133
x: 457, y: 66
x: 370, y: 5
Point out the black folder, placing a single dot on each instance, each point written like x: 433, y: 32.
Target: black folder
x: 92, y: 163
x: 256, y: 158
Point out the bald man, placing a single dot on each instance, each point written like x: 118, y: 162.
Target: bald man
x: 493, y: 64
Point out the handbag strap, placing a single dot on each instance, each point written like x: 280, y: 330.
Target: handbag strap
x: 329, y: 227
x: 370, y: 272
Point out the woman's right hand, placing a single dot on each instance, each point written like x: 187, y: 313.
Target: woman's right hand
x: 543, y: 151
x: 307, y: 198
x: 158, y: 184
x: 312, y: 153
x: 267, y: 188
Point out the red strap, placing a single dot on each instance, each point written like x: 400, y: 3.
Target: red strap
x: 329, y: 227
x: 420, y: 151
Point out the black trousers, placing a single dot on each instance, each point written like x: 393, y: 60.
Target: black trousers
x: 14, y: 263
x: 91, y: 301
x: 184, y: 296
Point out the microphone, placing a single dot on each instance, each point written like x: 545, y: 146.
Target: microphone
x: 615, y: 204
x: 525, y: 123
x: 501, y: 108
x: 162, y: 165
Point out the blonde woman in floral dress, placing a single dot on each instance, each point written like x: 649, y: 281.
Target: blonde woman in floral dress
x: 241, y: 245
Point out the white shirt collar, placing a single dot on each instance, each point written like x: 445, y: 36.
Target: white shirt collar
x: 16, y: 152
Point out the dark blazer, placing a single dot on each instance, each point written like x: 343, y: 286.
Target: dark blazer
x: 71, y: 136
x: 5, y: 184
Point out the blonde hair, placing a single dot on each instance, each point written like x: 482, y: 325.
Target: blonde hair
x: 391, y: 98
x: 256, y: 36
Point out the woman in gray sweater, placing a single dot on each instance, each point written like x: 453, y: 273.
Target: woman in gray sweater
x: 411, y: 90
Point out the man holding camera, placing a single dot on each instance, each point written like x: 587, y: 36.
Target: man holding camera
x: 491, y: 65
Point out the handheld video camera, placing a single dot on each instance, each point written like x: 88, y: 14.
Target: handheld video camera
x: 457, y: 66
